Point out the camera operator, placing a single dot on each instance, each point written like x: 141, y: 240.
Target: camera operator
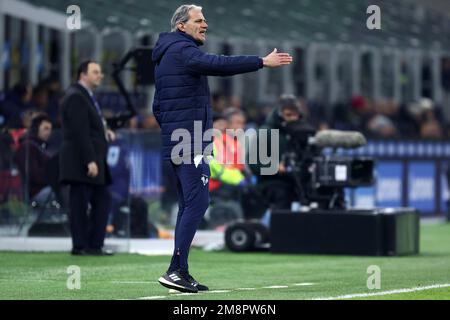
x: 280, y: 189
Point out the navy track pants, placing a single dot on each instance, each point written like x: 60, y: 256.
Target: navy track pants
x: 193, y: 200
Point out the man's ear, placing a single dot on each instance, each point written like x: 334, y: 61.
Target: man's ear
x: 181, y: 27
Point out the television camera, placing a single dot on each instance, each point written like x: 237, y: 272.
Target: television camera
x: 320, y: 174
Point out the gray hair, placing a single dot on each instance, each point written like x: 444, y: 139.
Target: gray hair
x: 230, y: 112
x: 181, y: 15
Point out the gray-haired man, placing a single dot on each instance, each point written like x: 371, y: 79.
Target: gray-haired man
x: 182, y: 97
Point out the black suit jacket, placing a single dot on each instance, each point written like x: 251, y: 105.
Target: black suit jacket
x: 83, y: 139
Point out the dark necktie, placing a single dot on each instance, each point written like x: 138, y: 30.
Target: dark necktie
x: 97, y: 106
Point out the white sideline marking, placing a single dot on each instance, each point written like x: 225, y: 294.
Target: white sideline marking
x: 27, y: 280
x: 54, y: 280
x: 383, y: 293
x: 186, y: 294
x: 171, y: 295
x: 134, y: 282
x: 304, y: 284
x: 172, y: 291
x: 152, y: 298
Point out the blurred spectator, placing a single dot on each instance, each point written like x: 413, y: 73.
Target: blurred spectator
x: 55, y: 95
x: 119, y: 189
x: 40, y: 100
x: 408, y: 121
x: 220, y: 123
x: 235, y: 102
x: 133, y: 123
x: 16, y: 103
x: 445, y: 81
x: 18, y: 134
x: 360, y: 113
x: 381, y: 126
x: 28, y: 116
x: 236, y: 120
x: 143, y: 122
x: 382, y: 123
x: 446, y: 75
x: 2, y: 115
x: 253, y: 113
x: 149, y: 123
x: 388, y: 108
x: 229, y: 180
x: 304, y: 108
x: 446, y: 130
x: 32, y: 158
x: 258, y: 114
x: 341, y: 117
x: 430, y: 127
x: 6, y: 151
x: 224, y: 171
x: 10, y: 181
x: 315, y: 112
x: 218, y: 102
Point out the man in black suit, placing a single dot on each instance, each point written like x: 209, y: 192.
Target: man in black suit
x: 83, y: 162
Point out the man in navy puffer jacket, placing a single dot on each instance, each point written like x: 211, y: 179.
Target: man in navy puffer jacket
x: 182, y: 101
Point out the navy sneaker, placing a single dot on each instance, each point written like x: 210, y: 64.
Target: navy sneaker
x: 192, y: 281
x: 174, y: 280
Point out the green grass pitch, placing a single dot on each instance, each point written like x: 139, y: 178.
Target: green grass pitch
x: 232, y: 276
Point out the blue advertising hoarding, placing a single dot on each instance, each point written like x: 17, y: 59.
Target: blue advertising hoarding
x: 6, y: 56
x: 364, y: 198
x: 422, y: 186
x: 389, y: 183
x: 145, y: 172
x: 136, y: 158
x: 444, y: 189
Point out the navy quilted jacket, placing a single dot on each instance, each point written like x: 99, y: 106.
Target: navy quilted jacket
x: 182, y: 93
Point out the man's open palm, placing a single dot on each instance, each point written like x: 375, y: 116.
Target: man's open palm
x: 275, y: 59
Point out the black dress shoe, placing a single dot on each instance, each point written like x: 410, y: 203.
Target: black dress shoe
x: 99, y: 252
x: 78, y: 252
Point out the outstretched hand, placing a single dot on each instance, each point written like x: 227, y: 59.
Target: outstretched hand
x: 275, y: 59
